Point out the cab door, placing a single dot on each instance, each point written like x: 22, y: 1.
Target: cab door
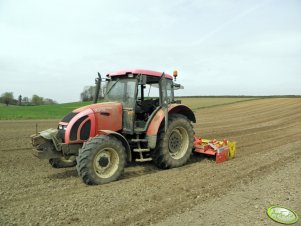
x: 129, y: 104
x: 164, y: 98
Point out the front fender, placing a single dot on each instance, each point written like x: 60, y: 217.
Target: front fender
x: 122, y: 139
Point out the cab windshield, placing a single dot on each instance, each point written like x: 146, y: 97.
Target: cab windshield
x: 122, y: 90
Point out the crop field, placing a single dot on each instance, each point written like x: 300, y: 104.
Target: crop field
x: 54, y: 111
x: 205, y: 102
x: 265, y: 172
x: 57, y: 111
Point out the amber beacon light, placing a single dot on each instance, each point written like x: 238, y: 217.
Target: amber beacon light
x: 175, y: 74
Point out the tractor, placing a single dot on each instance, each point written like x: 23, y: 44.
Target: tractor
x: 139, y: 120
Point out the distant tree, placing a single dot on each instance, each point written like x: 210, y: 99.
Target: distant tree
x: 36, y: 100
x: 20, y: 100
x: 104, y: 90
x: 89, y: 91
x: 49, y: 101
x: 7, y: 98
x: 87, y: 94
x: 25, y: 101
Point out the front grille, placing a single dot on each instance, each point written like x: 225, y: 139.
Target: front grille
x: 85, y: 131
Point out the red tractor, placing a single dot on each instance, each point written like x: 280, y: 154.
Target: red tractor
x: 101, y: 138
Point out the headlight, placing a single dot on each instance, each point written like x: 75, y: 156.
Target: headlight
x: 62, y: 127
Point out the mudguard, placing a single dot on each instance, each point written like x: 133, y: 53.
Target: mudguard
x: 157, y: 119
x: 122, y: 139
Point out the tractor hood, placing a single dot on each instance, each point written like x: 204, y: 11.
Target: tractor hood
x: 87, y: 121
x: 100, y: 107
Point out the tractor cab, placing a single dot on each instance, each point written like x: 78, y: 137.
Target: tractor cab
x: 142, y: 93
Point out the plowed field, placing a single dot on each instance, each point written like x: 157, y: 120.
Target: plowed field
x: 266, y: 171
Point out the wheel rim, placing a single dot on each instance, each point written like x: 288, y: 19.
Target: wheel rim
x: 106, y: 162
x: 178, y: 142
x: 69, y: 160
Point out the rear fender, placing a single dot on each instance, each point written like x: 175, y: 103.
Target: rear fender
x: 154, y: 125
x: 122, y: 139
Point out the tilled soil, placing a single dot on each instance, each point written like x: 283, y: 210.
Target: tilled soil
x: 266, y: 171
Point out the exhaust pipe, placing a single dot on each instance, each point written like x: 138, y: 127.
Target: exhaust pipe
x: 97, y: 88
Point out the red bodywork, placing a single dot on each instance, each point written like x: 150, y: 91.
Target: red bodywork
x: 103, y: 116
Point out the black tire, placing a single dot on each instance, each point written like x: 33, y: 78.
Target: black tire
x: 63, y: 162
x: 101, y: 160
x: 175, y: 146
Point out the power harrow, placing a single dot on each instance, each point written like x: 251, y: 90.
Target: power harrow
x: 220, y: 150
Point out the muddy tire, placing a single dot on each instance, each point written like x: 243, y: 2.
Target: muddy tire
x: 175, y: 146
x: 63, y: 162
x: 101, y: 160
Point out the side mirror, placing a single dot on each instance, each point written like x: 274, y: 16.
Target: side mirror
x: 177, y: 86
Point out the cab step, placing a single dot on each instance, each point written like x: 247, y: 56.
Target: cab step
x: 141, y: 150
x: 144, y: 159
x: 139, y: 140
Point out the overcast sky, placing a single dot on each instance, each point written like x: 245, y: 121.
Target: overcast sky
x: 53, y: 48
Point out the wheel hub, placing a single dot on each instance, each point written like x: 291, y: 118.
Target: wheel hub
x: 104, y: 161
x: 175, y: 142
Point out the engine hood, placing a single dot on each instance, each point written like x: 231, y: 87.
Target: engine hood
x: 87, y: 121
x: 101, y: 107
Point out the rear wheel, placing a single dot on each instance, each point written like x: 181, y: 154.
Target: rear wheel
x: 63, y: 162
x: 174, y: 146
x: 101, y: 160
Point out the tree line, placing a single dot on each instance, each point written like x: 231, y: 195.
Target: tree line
x: 89, y: 91
x: 8, y: 98
x: 87, y: 94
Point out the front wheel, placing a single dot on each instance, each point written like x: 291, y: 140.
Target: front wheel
x: 174, y: 146
x: 101, y: 160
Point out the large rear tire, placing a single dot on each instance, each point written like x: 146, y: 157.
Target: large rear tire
x: 175, y: 146
x: 101, y: 160
x: 63, y: 162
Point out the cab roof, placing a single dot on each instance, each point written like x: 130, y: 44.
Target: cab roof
x: 139, y: 71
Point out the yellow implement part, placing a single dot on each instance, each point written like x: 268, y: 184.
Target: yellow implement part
x: 206, y: 141
x: 232, y: 149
